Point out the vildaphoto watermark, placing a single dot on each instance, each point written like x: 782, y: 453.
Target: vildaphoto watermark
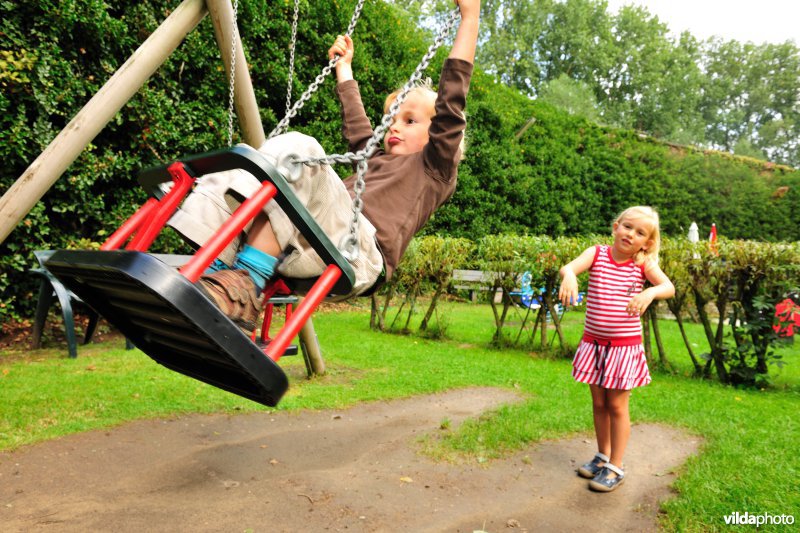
x: 758, y: 519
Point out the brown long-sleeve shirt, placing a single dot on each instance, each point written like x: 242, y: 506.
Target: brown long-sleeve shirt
x: 403, y: 191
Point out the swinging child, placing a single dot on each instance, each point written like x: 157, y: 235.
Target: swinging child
x: 406, y: 182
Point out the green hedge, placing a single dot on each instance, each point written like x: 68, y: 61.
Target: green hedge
x: 561, y: 176
x: 566, y: 176
x: 738, y: 281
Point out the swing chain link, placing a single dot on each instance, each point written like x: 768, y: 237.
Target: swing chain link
x: 234, y: 34
x: 291, y: 113
x: 291, y: 57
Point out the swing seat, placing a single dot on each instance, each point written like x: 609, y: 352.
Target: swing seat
x: 170, y: 320
x: 161, y: 309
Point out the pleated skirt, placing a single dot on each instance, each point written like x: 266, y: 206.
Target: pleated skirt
x: 611, y: 367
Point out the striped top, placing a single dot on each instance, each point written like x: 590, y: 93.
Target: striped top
x: 611, y: 287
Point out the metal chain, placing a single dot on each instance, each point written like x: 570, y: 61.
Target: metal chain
x: 386, y: 121
x: 291, y: 56
x: 234, y: 33
x: 291, y: 113
x: 349, y: 245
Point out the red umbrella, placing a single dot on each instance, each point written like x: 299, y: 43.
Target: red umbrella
x: 712, y: 238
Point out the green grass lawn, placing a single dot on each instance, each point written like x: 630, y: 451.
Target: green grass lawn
x: 748, y: 461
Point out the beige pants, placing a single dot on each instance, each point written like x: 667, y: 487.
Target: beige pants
x: 319, y: 189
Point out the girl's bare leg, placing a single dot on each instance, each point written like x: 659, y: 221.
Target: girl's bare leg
x: 602, y: 420
x: 617, y: 403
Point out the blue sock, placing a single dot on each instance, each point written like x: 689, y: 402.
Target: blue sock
x: 216, y: 266
x: 258, y: 264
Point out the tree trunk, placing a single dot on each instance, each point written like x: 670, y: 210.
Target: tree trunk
x: 375, y: 314
x: 399, y: 310
x: 411, y: 306
x: 738, y: 338
x: 556, y: 321
x: 718, y: 352
x: 522, y: 327
x: 543, y: 327
x: 387, y: 301
x: 662, y: 353
x: 499, y: 317
x: 700, y: 305
x: 424, y: 325
x: 698, y: 370
x: 648, y: 350
x: 676, y: 307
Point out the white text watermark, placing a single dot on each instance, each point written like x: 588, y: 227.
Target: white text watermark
x: 757, y: 519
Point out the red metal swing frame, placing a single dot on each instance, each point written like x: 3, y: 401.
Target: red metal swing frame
x: 142, y: 228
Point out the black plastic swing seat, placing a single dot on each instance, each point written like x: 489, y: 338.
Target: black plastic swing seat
x: 169, y: 319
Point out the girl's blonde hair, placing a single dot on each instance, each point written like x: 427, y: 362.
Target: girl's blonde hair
x: 424, y: 88
x: 644, y: 211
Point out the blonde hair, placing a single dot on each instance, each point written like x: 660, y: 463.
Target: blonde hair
x: 424, y: 88
x: 644, y: 211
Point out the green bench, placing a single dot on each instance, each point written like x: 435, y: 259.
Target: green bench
x: 50, y: 289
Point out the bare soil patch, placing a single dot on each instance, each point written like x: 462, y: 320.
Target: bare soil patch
x: 351, y: 470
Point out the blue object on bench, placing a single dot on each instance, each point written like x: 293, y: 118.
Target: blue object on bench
x: 531, y: 299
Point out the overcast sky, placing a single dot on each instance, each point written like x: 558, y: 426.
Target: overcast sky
x: 759, y: 21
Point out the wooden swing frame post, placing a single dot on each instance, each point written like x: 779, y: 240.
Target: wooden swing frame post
x: 247, y: 112
x: 62, y: 151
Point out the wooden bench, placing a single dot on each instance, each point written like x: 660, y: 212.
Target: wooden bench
x: 475, y: 281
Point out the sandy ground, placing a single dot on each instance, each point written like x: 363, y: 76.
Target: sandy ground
x: 354, y: 470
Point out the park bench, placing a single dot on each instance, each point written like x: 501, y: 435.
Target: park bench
x: 50, y: 287
x: 475, y: 281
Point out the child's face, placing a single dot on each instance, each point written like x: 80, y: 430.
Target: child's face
x: 408, y: 133
x: 632, y: 235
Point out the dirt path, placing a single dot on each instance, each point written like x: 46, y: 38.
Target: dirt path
x: 353, y: 470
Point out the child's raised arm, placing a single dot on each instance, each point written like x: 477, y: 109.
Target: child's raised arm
x: 467, y: 35
x: 343, y: 47
x: 568, y: 292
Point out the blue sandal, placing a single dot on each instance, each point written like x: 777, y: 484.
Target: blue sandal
x: 603, y: 482
x: 593, y: 467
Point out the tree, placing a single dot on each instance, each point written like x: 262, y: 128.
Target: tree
x: 712, y: 93
x: 574, y: 97
x: 752, y: 92
x: 653, y: 81
x: 641, y: 77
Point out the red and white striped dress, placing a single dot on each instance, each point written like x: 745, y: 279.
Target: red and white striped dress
x: 611, y: 353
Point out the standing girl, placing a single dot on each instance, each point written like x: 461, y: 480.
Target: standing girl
x: 610, y: 357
